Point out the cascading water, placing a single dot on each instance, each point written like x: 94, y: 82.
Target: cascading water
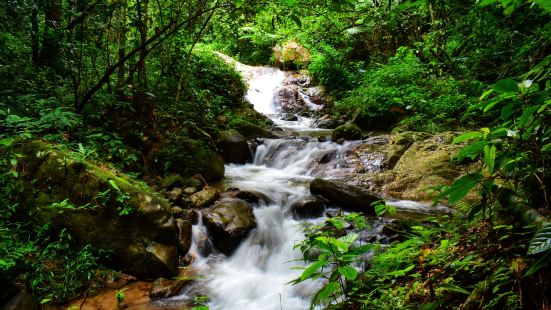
x: 257, y: 274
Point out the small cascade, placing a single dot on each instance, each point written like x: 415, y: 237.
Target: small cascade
x: 257, y: 274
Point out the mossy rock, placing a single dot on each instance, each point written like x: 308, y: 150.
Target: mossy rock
x: 229, y: 222
x: 110, y: 212
x: 186, y: 157
x: 347, y: 132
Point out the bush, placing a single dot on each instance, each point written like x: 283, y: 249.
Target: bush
x: 405, y: 90
x: 329, y: 69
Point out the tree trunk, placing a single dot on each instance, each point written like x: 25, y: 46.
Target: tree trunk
x: 142, y: 29
x: 121, y: 41
x: 35, y: 43
x: 51, y: 38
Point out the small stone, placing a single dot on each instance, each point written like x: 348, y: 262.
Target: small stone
x: 176, y: 210
x: 163, y: 288
x: 184, y: 229
x: 190, y: 191
x: 204, y: 198
x: 175, y: 194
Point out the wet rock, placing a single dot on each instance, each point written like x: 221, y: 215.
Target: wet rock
x: 233, y: 146
x: 191, y: 215
x: 308, y: 208
x: 346, y: 196
x: 289, y: 117
x: 340, y: 141
x: 327, y: 157
x: 171, y: 181
x: 253, y: 197
x: 326, y: 122
x: 164, y: 288
x: 183, y: 228
x: 347, y: 132
x: 175, y: 194
x: 22, y: 301
x: 177, y: 211
x: 142, y: 240
x: 204, y: 198
x: 189, y: 191
x: 322, y: 139
x: 229, y: 222
x: 288, y: 97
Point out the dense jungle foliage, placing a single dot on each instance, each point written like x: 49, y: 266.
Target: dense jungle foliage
x: 135, y: 87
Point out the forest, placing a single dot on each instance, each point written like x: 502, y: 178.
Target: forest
x: 286, y: 154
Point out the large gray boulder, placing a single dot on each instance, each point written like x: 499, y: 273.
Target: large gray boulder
x: 99, y: 208
x: 233, y: 146
x: 346, y: 196
x: 229, y: 222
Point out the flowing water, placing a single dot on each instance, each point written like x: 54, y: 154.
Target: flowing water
x: 256, y: 275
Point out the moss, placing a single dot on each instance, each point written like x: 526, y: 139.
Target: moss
x: 347, y: 132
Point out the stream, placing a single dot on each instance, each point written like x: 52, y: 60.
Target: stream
x: 256, y: 275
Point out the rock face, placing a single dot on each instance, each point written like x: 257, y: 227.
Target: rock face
x: 411, y: 163
x: 204, y: 198
x: 229, y: 222
x: 347, y: 132
x: 164, y: 288
x: 184, y: 235
x: 346, y: 196
x: 109, y: 212
x: 234, y: 147
x: 308, y: 208
x: 186, y: 157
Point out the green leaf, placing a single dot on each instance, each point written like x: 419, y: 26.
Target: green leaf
x: 349, y: 272
x: 453, y: 288
x: 13, y: 162
x: 506, y: 86
x: 349, y: 238
x: 541, y: 241
x: 544, y: 4
x: 329, y: 289
x: 308, y: 272
x: 114, y: 185
x: 467, y: 136
x: 490, y: 157
x: 461, y: 187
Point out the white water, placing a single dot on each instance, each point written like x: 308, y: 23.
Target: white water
x: 256, y: 275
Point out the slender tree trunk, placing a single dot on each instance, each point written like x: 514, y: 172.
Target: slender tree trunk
x: 142, y: 29
x: 121, y: 41
x: 35, y: 39
x: 51, y: 39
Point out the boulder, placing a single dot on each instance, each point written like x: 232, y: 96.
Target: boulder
x: 229, y: 222
x: 347, y: 132
x: 253, y: 197
x: 289, y: 99
x: 326, y: 122
x: 183, y: 228
x: 308, y: 208
x: 180, y: 155
x: 99, y: 208
x: 233, y: 146
x: 171, y: 181
x: 22, y: 301
x: 204, y: 198
x: 164, y: 288
x: 291, y: 55
x: 175, y: 194
x: 346, y: 196
x: 289, y: 117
